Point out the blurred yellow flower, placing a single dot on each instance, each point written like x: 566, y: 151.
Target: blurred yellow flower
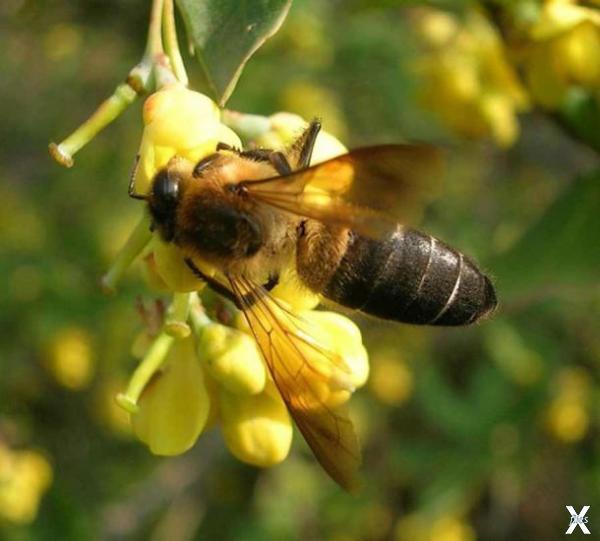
x: 567, y: 416
x: 306, y: 98
x: 61, y: 41
x: 24, y: 477
x: 447, y: 527
x: 70, y: 358
x: 561, y: 50
x: 391, y: 380
x: 466, y: 77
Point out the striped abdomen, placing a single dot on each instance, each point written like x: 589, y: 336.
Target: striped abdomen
x: 410, y: 277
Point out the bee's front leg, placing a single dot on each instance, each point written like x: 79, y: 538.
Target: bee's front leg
x: 305, y: 144
x: 218, y: 287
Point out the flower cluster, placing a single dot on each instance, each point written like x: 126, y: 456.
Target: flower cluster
x: 472, y: 68
x: 195, y: 371
x: 467, y: 78
x: 559, y: 51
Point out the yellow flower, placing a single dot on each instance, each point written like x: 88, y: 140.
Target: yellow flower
x: 256, y: 428
x: 567, y: 417
x: 560, y: 50
x: 391, y: 380
x: 70, y: 359
x: 330, y: 343
x: 447, y: 527
x: 466, y: 77
x: 24, y: 477
x: 233, y: 359
x: 178, y: 122
x: 174, y: 406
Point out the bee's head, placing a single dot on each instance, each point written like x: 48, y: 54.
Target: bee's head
x: 163, y: 202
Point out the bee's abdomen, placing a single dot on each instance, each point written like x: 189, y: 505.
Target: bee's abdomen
x: 413, y: 278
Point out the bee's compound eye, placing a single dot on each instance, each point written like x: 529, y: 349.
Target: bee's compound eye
x: 203, y: 164
x: 165, y: 187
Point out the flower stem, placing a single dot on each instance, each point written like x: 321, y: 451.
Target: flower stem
x: 137, y: 241
x: 138, y: 82
x: 198, y: 317
x: 154, y: 48
x: 177, y: 315
x: 151, y: 362
x: 108, y: 110
x: 171, y: 43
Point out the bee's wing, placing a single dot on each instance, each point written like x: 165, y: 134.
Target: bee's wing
x: 362, y: 189
x: 304, y: 373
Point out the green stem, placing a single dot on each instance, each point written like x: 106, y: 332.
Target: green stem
x: 177, y: 316
x: 171, y: 43
x: 198, y: 317
x: 151, y: 362
x: 137, y: 241
x: 138, y: 82
x: 123, y: 96
x: 154, y: 48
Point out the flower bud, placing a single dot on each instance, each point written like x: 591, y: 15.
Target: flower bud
x: 174, y: 406
x: 181, y: 122
x: 233, y: 359
x: 257, y: 429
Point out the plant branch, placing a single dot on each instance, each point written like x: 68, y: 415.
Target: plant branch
x: 171, y: 42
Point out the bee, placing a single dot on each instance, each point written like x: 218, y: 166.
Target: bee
x: 253, y: 213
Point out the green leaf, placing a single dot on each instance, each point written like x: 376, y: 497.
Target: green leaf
x: 226, y: 33
x: 580, y: 116
x: 560, y: 250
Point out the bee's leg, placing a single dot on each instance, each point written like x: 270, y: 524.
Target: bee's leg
x: 131, y: 189
x: 215, y: 285
x: 258, y: 154
x: 303, y: 147
x: 280, y: 163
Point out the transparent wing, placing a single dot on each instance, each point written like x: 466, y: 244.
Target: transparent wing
x: 369, y: 189
x: 309, y: 378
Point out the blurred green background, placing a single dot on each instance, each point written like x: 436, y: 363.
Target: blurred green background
x: 476, y: 433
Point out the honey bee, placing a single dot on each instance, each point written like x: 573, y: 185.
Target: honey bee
x: 252, y: 213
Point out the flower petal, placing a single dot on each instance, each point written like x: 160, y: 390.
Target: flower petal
x: 174, y: 406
